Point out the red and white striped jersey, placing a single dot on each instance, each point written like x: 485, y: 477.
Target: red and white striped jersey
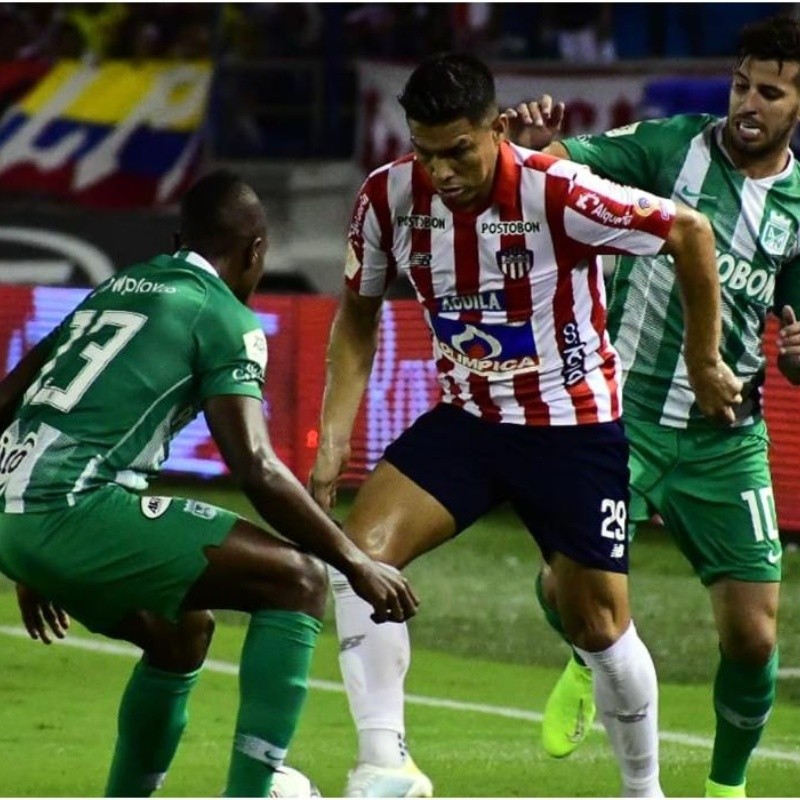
x: 513, y: 294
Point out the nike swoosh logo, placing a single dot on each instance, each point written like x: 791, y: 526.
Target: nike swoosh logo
x: 774, y: 557
x: 580, y: 725
x: 689, y: 194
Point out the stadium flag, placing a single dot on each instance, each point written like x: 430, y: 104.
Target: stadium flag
x: 115, y: 134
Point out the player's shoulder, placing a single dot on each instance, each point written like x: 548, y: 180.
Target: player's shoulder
x: 162, y: 276
x: 168, y: 284
x: 553, y: 166
x: 375, y: 184
x: 669, y: 129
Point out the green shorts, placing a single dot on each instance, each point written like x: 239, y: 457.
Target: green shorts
x: 113, y: 553
x: 714, y: 492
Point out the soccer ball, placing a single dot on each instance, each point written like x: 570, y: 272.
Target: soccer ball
x: 289, y: 782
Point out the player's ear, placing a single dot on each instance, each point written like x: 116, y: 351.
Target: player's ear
x: 255, y: 253
x: 500, y: 127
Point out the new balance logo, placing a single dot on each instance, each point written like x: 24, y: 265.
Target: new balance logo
x: 636, y: 716
x: 617, y: 551
x: 350, y: 642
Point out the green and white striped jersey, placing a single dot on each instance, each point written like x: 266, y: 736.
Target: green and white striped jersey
x: 128, y: 369
x: 756, y: 227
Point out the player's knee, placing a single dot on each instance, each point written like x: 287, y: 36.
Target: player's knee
x: 182, y: 647
x: 753, y: 646
x: 548, y: 582
x: 199, y: 634
x: 308, y: 582
x: 594, y: 632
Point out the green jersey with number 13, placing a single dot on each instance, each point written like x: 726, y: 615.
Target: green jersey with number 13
x: 127, y: 370
x: 756, y: 225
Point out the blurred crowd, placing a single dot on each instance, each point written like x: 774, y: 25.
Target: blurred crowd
x: 285, y: 83
x: 55, y: 31
x: 577, y: 32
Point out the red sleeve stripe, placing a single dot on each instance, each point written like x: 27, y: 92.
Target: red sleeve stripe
x: 379, y: 195
x: 568, y: 256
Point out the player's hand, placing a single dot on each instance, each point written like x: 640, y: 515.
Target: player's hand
x: 385, y: 589
x: 789, y: 334
x: 39, y: 615
x: 535, y: 123
x: 716, y: 389
x: 329, y: 464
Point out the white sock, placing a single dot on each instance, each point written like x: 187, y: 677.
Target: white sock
x: 374, y: 660
x: 626, y: 693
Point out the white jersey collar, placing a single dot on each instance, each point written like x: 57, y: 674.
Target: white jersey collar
x: 195, y: 259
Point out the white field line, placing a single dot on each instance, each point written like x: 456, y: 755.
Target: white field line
x: 227, y: 668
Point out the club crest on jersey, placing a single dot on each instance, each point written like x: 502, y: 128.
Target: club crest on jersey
x: 777, y: 233
x: 515, y: 262
x: 201, y: 510
x: 492, y: 351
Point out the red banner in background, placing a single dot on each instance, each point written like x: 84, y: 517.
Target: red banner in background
x: 402, y: 386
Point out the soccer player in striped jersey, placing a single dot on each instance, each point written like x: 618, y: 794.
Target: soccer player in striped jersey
x: 86, y: 419
x: 711, y: 484
x: 501, y: 245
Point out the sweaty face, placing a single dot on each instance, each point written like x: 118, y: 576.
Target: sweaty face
x: 459, y: 157
x: 763, y: 108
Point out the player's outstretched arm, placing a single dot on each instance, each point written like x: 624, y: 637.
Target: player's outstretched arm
x: 16, y: 383
x: 351, y: 351
x: 691, y: 243
x: 238, y: 428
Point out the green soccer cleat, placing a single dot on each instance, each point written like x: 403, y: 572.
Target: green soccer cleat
x: 714, y: 789
x: 569, y: 712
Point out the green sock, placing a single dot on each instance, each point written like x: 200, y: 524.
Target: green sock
x: 743, y: 698
x: 152, y: 716
x: 273, y: 682
x: 553, y: 618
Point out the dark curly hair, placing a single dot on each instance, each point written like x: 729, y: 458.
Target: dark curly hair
x: 447, y: 87
x: 774, y: 39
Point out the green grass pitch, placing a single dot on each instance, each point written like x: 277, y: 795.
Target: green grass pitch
x: 482, y: 665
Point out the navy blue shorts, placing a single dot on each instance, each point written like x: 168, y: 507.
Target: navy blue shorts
x: 568, y: 484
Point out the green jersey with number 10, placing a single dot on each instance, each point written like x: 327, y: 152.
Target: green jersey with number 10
x: 127, y: 370
x: 756, y: 225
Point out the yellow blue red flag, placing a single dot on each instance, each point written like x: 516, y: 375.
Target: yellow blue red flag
x: 115, y: 134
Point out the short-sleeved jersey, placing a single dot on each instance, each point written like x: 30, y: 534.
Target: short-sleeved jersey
x: 127, y: 370
x: 755, y: 223
x: 513, y: 295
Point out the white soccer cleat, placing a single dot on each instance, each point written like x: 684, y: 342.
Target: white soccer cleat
x: 369, y: 780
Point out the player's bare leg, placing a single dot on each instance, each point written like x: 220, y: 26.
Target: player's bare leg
x: 570, y: 709
x: 394, y: 521
x: 594, y: 609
